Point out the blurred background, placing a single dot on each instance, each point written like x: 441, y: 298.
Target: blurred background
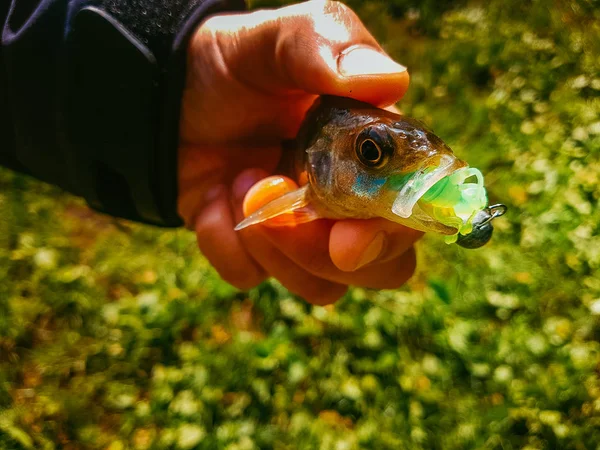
x: 119, y: 336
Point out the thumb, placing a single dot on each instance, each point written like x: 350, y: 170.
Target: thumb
x: 318, y: 47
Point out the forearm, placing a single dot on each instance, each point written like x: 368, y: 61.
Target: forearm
x: 91, y: 96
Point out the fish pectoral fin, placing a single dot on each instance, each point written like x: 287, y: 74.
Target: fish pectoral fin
x: 289, y: 209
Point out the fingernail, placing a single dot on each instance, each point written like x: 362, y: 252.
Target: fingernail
x: 373, y: 250
x: 362, y: 60
x: 244, y: 182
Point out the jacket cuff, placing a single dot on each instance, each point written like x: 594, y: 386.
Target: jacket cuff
x: 122, y: 91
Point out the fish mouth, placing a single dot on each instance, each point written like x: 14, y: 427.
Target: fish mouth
x: 442, y: 199
x: 420, y: 182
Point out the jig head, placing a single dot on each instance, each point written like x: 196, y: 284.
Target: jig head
x: 482, y: 227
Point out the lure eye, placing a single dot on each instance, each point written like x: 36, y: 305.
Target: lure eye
x: 372, y: 149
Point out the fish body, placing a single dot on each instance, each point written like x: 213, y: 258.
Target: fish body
x: 354, y: 160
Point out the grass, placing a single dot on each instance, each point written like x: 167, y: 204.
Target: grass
x: 117, y: 336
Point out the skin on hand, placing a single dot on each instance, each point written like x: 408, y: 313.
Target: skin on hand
x: 251, y: 78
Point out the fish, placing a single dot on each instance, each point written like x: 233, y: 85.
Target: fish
x: 354, y: 160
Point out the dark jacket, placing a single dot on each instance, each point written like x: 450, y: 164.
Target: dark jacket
x: 90, y: 92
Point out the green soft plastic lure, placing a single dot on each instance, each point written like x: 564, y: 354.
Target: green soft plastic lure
x: 358, y: 161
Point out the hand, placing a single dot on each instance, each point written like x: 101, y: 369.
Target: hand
x: 251, y: 78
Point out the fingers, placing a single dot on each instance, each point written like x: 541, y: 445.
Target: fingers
x: 314, y: 289
x: 302, y: 258
x: 391, y: 274
x: 308, y: 246
x: 221, y: 245
x: 244, y: 260
x: 355, y: 243
x: 316, y: 47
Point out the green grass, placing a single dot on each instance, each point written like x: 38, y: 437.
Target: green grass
x: 119, y: 336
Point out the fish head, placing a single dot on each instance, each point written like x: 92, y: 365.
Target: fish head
x: 363, y: 161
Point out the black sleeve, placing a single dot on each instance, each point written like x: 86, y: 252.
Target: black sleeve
x: 90, y: 93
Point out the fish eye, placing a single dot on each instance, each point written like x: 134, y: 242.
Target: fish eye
x: 372, y: 149
x: 370, y: 154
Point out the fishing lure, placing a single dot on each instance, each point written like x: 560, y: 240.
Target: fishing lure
x: 354, y: 160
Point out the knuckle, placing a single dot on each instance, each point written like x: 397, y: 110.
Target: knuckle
x: 337, y: 8
x: 340, y: 12
x: 294, y: 49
